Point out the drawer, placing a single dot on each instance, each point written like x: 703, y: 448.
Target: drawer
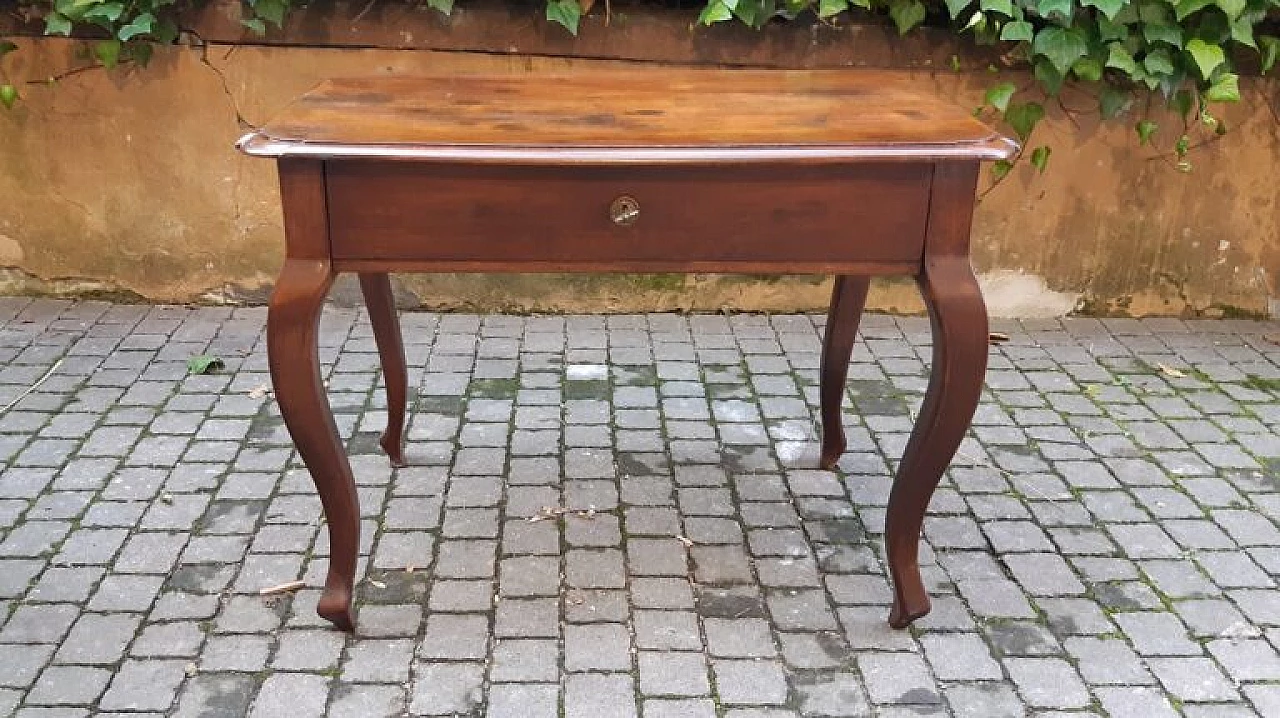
x: 752, y: 218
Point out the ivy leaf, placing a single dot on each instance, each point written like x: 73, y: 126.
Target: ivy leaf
x: 1181, y: 103
x: 955, y: 7
x: 1207, y: 57
x: 1000, y: 168
x: 444, y: 7
x: 1118, y: 58
x: 140, y: 25
x: 1232, y: 8
x: 906, y: 14
x: 255, y: 24
x: 831, y: 8
x: 1158, y: 62
x: 8, y: 96
x: 1061, y: 46
x: 566, y: 13
x: 1224, y: 89
x: 1107, y: 7
x: 715, y: 11
x: 109, y: 11
x: 1186, y: 7
x: 270, y: 10
x: 1242, y: 31
x: 1048, y: 76
x: 1024, y: 117
x: 1145, y: 130
x: 204, y: 364
x: 1061, y: 8
x: 1040, y: 157
x: 1004, y: 7
x: 57, y: 24
x: 107, y: 52
x: 1113, y: 101
x: 999, y: 95
x: 1169, y: 33
x: 1088, y: 69
x: 1270, y: 51
x: 6, y: 47
x: 1017, y: 30
x: 139, y: 52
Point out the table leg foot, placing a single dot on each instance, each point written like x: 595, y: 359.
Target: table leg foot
x: 335, y: 607
x: 959, y: 322
x: 848, y: 297
x: 380, y: 301
x: 292, y: 327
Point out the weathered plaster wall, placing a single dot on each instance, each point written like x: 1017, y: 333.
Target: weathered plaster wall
x: 126, y: 182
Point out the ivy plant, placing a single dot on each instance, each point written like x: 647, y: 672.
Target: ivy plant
x: 1180, y: 52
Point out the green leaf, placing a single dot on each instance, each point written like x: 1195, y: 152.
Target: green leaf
x: 107, y: 52
x: 998, y: 96
x: 1107, y: 7
x: 1061, y: 46
x: 1004, y: 7
x: 1242, y: 31
x: 140, y: 52
x: 444, y: 7
x: 109, y: 11
x: 6, y: 47
x: 566, y: 13
x: 1023, y: 118
x: 1047, y: 8
x: 1224, y: 89
x: 1017, y: 30
x: 1114, y: 101
x: 1182, y: 145
x: 1000, y: 168
x: 1048, y: 76
x: 1040, y: 157
x: 1108, y: 30
x: 271, y: 10
x: 1181, y: 103
x: 955, y: 7
x: 140, y: 25
x: 1270, y: 51
x: 1119, y: 58
x: 715, y: 11
x: 255, y: 24
x: 906, y: 14
x: 204, y: 364
x: 1158, y: 62
x: 1207, y: 57
x: 831, y: 8
x: 1162, y: 32
x: 1232, y: 8
x: 1145, y: 130
x: 8, y: 96
x: 1088, y: 69
x: 56, y: 24
x: 1186, y: 7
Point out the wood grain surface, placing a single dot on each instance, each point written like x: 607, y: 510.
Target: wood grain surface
x: 676, y: 114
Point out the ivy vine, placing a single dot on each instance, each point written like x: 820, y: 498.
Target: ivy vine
x: 1179, y: 52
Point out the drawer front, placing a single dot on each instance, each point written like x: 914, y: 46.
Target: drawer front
x: 661, y: 219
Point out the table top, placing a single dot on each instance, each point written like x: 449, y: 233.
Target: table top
x: 628, y: 116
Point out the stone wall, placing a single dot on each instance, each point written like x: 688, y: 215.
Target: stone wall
x: 125, y: 182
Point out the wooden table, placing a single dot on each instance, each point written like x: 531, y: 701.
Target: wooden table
x: 838, y: 172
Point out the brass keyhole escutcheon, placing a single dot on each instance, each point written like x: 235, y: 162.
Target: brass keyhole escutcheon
x: 624, y: 211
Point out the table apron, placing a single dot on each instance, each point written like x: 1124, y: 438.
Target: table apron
x: 862, y: 218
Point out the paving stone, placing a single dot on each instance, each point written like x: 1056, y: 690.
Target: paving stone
x: 144, y: 685
x: 293, y: 694
x: 597, y: 647
x: 1193, y: 679
x: 671, y: 673
x: 984, y: 700
x: 1048, y: 682
x: 98, y: 639
x: 68, y: 685
x: 1134, y: 702
x: 524, y: 660
x: 752, y: 682
x: 596, y: 695
x: 960, y: 656
x: 523, y: 700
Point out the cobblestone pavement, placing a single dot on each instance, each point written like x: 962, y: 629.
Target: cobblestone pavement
x: 1105, y: 543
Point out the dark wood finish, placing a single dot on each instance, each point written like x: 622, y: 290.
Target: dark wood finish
x: 506, y: 216
x: 848, y: 297
x: 769, y: 172
x: 627, y: 117
x: 958, y: 319
x: 376, y: 287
